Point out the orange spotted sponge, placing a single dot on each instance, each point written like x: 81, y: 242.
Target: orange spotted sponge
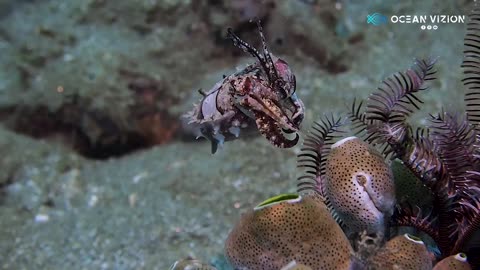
x: 403, y: 252
x: 454, y: 262
x: 359, y: 185
x: 293, y: 265
x: 288, y: 228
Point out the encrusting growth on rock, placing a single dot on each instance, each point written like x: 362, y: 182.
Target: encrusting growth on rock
x: 285, y: 228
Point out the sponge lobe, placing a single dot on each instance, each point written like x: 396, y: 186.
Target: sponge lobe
x: 303, y: 230
x: 359, y: 184
x: 403, y: 252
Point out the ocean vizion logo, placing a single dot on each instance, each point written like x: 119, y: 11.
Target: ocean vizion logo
x: 377, y: 19
x: 427, y: 22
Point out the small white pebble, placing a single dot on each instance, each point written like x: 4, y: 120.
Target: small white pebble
x: 239, y: 182
x: 93, y: 200
x: 137, y: 178
x: 42, y: 218
x: 176, y: 165
x: 132, y: 199
x: 67, y: 57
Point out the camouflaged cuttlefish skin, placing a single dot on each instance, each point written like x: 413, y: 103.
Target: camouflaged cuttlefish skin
x: 286, y: 228
x: 359, y: 185
x: 259, y: 98
x: 454, y: 262
x: 403, y: 252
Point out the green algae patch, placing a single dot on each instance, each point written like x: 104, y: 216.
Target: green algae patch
x: 413, y: 238
x: 277, y: 199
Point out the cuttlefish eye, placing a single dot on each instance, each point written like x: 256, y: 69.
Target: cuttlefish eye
x: 286, y: 79
x: 287, y: 87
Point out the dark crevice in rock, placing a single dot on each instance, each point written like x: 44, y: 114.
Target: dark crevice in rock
x: 93, y: 134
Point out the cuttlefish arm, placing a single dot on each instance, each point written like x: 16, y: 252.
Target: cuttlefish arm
x: 270, y: 129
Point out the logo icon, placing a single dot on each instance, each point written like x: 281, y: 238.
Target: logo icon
x: 377, y: 19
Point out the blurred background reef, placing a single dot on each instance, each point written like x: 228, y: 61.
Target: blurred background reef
x: 98, y: 170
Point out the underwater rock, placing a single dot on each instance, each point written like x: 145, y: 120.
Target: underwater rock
x: 403, y: 252
x: 285, y: 228
x: 359, y: 185
x: 454, y: 262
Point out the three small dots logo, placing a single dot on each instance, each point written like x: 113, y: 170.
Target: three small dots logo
x: 429, y: 27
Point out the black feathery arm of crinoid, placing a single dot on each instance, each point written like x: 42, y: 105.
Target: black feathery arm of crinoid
x: 358, y: 119
x: 395, y: 98
x: 455, y: 144
x: 467, y: 171
x: 365, y: 128
x: 314, y: 152
x: 458, y: 183
x: 471, y: 68
x: 420, y: 157
x: 469, y: 225
x: 394, y: 101
x: 469, y: 221
x: 413, y: 216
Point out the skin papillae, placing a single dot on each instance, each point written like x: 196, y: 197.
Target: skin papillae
x: 259, y: 98
x: 444, y: 156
